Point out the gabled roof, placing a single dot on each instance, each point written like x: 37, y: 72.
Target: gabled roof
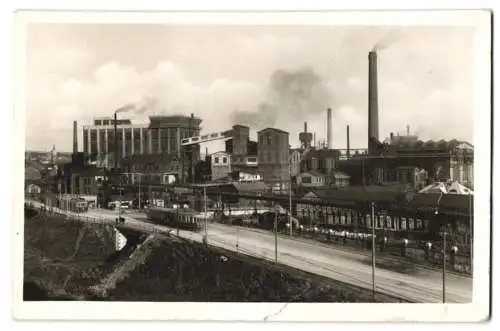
x: 224, y: 153
x: 313, y: 173
x: 447, y: 188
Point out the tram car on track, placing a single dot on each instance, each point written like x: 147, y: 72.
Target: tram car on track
x: 266, y: 221
x: 185, y: 219
x: 76, y: 205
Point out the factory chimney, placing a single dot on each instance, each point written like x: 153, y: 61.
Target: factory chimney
x: 75, y: 137
x: 372, y: 98
x: 348, y: 143
x: 305, y: 127
x: 329, y: 128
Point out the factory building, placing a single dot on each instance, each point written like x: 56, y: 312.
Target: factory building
x: 273, y: 155
x: 162, y: 135
x: 166, y: 133
x: 220, y: 165
x: 158, y: 168
x: 99, y: 140
x: 243, y: 151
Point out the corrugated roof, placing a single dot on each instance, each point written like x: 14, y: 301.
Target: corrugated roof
x: 321, y: 153
x: 251, y: 187
x: 272, y: 129
x: 357, y: 195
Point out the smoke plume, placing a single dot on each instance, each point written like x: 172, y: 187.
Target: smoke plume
x: 140, y: 107
x: 386, y: 41
x: 294, y: 94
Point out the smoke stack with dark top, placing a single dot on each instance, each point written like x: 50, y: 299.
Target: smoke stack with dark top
x: 305, y: 127
x: 329, y: 128
x: 75, y: 137
x: 372, y: 98
x: 392, y: 137
x: 348, y: 142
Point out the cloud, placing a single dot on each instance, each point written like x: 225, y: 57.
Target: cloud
x: 277, y: 76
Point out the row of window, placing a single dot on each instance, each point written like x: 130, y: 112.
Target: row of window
x: 218, y: 159
x: 270, y: 139
x: 162, y: 140
x: 273, y: 157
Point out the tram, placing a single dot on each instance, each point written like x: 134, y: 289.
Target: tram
x: 183, y: 218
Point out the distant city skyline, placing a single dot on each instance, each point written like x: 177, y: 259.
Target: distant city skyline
x: 78, y: 71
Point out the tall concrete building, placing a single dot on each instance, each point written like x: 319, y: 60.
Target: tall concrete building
x: 162, y: 135
x: 167, y: 132
x: 99, y: 139
x: 273, y: 155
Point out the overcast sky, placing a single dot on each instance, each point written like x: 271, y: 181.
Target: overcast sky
x: 78, y: 71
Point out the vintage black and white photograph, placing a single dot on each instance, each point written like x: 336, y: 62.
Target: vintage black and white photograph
x: 255, y: 159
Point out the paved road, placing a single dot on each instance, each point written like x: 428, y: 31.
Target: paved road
x: 420, y: 284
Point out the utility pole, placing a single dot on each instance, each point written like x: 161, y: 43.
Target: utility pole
x: 471, y: 232
x: 373, y: 249
x: 120, y: 204
x: 290, y: 196
x: 177, y: 216
x: 276, y: 236
x: 115, y: 126
x: 205, y: 239
x: 444, y: 264
x: 140, y: 178
x: 150, y: 193
x: 362, y: 171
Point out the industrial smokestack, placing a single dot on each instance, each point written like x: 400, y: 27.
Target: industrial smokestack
x: 115, y: 127
x: 305, y: 127
x: 329, y: 128
x: 372, y: 97
x: 75, y: 137
x: 348, y: 142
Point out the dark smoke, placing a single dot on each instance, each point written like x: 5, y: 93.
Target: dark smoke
x: 295, y: 94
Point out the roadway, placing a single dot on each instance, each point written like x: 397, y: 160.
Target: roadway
x: 419, y: 285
